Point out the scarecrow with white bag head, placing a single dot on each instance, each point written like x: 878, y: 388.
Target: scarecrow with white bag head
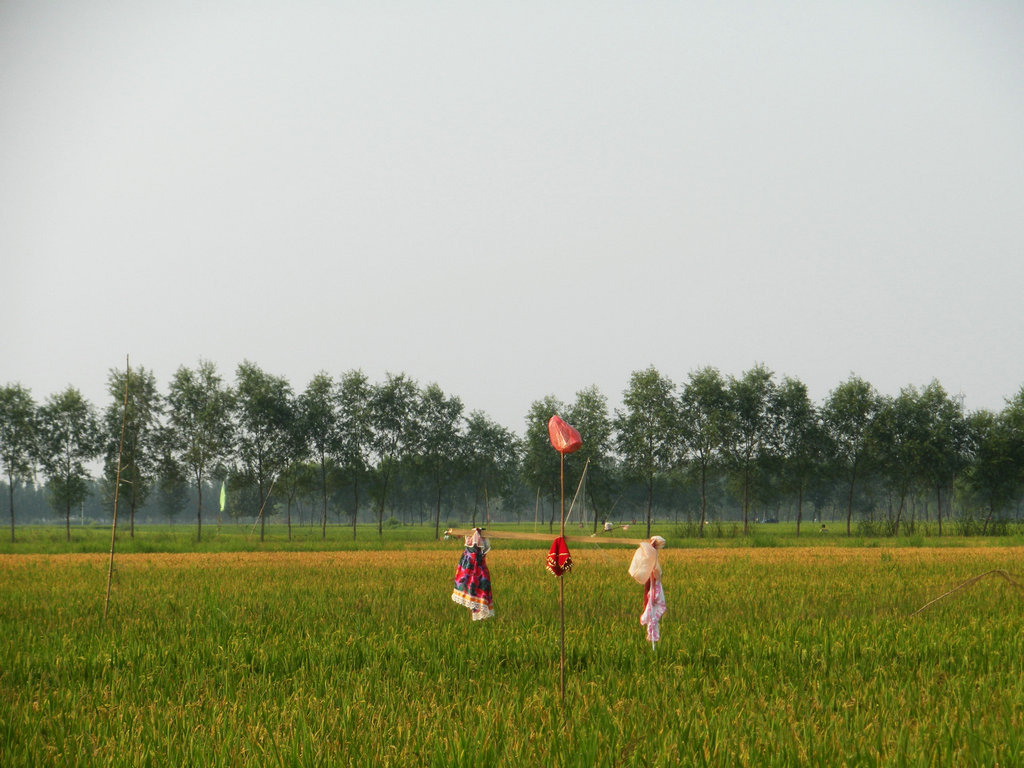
x: 645, y: 569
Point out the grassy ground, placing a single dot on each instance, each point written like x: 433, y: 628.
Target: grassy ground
x: 775, y: 656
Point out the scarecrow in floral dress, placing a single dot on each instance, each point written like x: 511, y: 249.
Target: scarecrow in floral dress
x: 472, y: 579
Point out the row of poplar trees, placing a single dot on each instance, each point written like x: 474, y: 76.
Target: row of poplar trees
x: 759, y: 438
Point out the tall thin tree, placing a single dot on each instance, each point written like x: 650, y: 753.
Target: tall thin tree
x: 199, y: 429
x: 17, y: 437
x: 645, y: 430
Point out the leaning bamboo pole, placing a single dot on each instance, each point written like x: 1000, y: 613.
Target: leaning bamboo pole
x: 576, y: 495
x: 117, y: 483
x: 971, y: 581
x: 546, y: 537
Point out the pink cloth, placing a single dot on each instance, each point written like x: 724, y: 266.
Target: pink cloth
x: 654, y: 609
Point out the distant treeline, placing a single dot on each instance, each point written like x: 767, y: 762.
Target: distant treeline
x: 344, y: 450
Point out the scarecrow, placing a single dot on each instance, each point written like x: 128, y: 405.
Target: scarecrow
x: 646, y: 570
x: 472, y: 579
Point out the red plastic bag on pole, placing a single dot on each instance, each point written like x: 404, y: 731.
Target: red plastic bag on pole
x: 564, y: 438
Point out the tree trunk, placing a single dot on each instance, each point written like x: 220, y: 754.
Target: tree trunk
x: 938, y: 505
x: 380, y: 509
x: 650, y: 502
x: 67, y: 519
x: 899, y: 513
x: 262, y: 516
x: 355, y: 508
x: 849, y: 500
x: 746, y: 501
x: 199, y: 506
x: 323, y: 484
x: 799, y: 507
x: 437, y: 518
x: 703, y: 497
x: 10, y: 491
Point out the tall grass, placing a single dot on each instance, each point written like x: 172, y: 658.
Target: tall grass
x: 770, y: 656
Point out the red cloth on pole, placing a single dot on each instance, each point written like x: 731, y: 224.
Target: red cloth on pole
x: 559, y: 559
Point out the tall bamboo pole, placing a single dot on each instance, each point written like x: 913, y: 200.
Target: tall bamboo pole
x: 561, y: 583
x: 117, y: 483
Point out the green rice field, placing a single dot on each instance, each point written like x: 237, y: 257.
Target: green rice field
x: 770, y: 656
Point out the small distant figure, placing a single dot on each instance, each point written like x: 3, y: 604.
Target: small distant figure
x: 608, y: 526
x: 822, y: 529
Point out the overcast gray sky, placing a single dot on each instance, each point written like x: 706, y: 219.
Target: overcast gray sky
x: 514, y: 199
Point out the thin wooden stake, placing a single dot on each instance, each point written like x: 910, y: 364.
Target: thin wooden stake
x: 561, y: 582
x: 117, y: 483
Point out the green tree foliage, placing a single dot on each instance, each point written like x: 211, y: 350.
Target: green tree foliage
x: 540, y: 465
x: 392, y: 414
x: 895, y: 439
x: 589, y: 415
x: 993, y: 473
x: 17, y: 437
x: 885, y: 459
x: 848, y: 414
x: 139, y: 451
x: 440, y: 433
x: 265, y: 418
x: 943, y: 453
x: 703, y: 412
x: 172, y: 486
x: 355, y: 432
x: 1013, y: 419
x: 199, y: 430
x: 749, y: 431
x: 69, y: 438
x: 490, y: 456
x: 799, y: 439
x: 318, y: 423
x: 646, y: 430
x: 299, y: 480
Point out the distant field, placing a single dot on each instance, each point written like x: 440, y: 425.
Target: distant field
x: 778, y: 656
x: 245, y: 537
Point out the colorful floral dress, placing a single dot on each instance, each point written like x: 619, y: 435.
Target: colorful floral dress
x: 473, y: 580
